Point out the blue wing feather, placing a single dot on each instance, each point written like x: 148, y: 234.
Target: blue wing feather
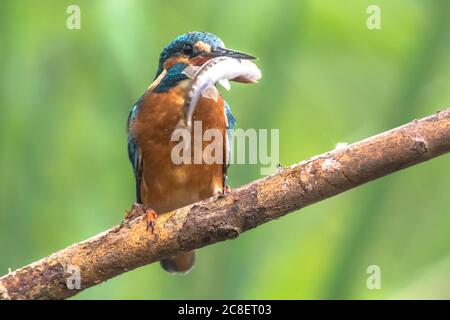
x: 231, y: 121
x: 134, y: 154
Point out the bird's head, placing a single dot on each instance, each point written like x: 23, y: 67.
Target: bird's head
x: 194, y: 49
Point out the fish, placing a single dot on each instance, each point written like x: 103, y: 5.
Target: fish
x: 204, y: 78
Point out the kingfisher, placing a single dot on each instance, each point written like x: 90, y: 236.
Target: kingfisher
x: 161, y: 184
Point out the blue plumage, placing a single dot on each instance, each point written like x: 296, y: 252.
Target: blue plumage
x: 230, y: 118
x: 173, y: 76
x: 231, y: 122
x: 133, y: 152
x: 188, y: 38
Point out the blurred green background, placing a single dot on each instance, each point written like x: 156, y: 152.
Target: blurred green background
x: 64, y: 172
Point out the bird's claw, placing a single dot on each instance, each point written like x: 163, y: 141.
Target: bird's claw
x: 225, y: 191
x: 150, y: 218
x: 136, y: 210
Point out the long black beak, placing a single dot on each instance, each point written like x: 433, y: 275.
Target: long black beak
x: 223, y: 52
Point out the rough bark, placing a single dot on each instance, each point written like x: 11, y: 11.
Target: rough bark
x: 129, y: 245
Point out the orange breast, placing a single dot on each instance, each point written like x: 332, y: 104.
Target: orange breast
x: 165, y: 185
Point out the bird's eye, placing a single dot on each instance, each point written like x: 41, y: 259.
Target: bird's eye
x: 187, y: 49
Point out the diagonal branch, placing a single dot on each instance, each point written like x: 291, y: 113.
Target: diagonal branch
x: 129, y: 245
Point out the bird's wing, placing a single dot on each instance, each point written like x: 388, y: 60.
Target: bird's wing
x: 231, y: 121
x: 134, y: 154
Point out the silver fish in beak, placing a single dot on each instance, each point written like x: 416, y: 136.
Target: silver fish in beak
x: 219, y: 69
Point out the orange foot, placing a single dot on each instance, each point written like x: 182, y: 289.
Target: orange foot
x: 225, y: 191
x: 150, y: 217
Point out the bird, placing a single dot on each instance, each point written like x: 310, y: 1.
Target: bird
x: 162, y: 185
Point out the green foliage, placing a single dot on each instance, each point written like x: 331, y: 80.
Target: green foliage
x: 64, y: 173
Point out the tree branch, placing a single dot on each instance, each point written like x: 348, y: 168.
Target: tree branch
x: 129, y: 245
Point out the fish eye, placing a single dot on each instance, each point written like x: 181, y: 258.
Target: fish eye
x: 187, y: 49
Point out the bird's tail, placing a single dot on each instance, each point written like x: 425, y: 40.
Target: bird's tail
x: 181, y: 263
